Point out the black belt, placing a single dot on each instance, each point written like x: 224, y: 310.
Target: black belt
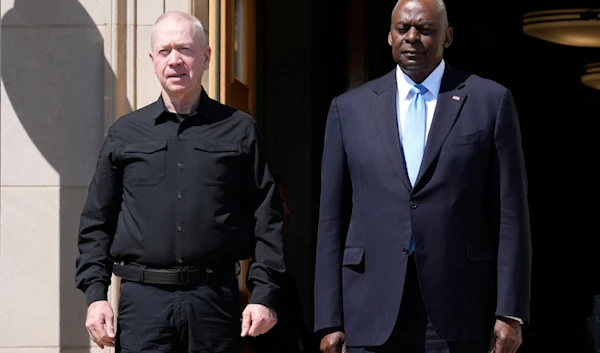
x: 175, y: 276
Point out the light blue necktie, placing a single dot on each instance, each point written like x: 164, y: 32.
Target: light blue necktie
x: 413, y: 137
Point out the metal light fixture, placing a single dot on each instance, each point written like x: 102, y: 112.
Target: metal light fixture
x: 574, y: 27
x: 591, y: 76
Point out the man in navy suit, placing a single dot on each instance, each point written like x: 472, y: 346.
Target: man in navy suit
x: 424, y: 240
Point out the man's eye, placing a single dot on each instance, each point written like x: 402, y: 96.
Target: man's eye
x: 163, y: 52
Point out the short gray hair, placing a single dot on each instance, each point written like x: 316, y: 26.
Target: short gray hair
x: 440, y: 3
x: 181, y: 16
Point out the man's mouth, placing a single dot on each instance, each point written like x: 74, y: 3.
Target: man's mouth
x: 176, y: 76
x: 411, y: 52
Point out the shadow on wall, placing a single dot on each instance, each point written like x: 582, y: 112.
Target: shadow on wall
x: 53, y: 69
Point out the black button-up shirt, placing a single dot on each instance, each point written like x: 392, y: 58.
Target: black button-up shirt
x: 170, y: 191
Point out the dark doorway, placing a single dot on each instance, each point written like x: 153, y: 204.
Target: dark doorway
x: 310, y: 51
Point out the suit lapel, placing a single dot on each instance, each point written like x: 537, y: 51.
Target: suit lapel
x: 449, y: 103
x: 383, y: 105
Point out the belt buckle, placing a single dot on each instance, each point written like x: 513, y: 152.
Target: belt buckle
x: 183, y: 277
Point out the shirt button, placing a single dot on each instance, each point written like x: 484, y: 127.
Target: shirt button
x: 180, y: 136
x: 180, y: 165
x: 413, y: 205
x: 179, y: 229
x: 180, y: 196
x: 180, y: 260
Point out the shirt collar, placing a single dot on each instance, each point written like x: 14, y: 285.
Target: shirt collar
x: 159, y: 109
x: 432, y: 82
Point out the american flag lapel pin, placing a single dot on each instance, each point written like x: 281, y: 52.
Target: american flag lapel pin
x: 456, y: 98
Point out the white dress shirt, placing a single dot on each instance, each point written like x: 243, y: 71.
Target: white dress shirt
x: 405, y: 84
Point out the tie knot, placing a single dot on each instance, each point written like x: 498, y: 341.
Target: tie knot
x: 418, y: 89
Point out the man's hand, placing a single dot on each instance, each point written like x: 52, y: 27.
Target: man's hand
x: 508, y: 337
x: 333, y: 342
x: 257, y: 319
x: 100, y: 324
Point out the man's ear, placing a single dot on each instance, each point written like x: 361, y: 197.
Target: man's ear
x: 207, y: 57
x: 449, y: 37
x: 390, y: 38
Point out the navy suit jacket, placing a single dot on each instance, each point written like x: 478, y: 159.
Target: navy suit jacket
x: 467, y: 212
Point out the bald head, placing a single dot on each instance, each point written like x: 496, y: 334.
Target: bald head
x: 180, y: 16
x: 441, y: 7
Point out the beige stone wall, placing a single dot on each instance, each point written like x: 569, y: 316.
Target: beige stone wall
x: 69, y: 69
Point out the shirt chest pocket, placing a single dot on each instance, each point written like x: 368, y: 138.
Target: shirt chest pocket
x: 218, y: 162
x: 145, y: 163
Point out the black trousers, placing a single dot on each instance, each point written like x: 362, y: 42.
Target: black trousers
x: 179, y: 319
x: 414, y: 332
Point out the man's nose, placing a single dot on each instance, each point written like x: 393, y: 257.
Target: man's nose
x: 412, y: 35
x: 174, y: 58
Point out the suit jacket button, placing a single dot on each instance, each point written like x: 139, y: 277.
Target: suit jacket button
x: 413, y: 205
x: 405, y: 251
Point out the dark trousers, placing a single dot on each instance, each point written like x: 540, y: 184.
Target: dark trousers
x: 179, y: 319
x: 414, y: 332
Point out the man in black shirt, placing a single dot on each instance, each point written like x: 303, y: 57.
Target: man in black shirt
x: 181, y: 192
